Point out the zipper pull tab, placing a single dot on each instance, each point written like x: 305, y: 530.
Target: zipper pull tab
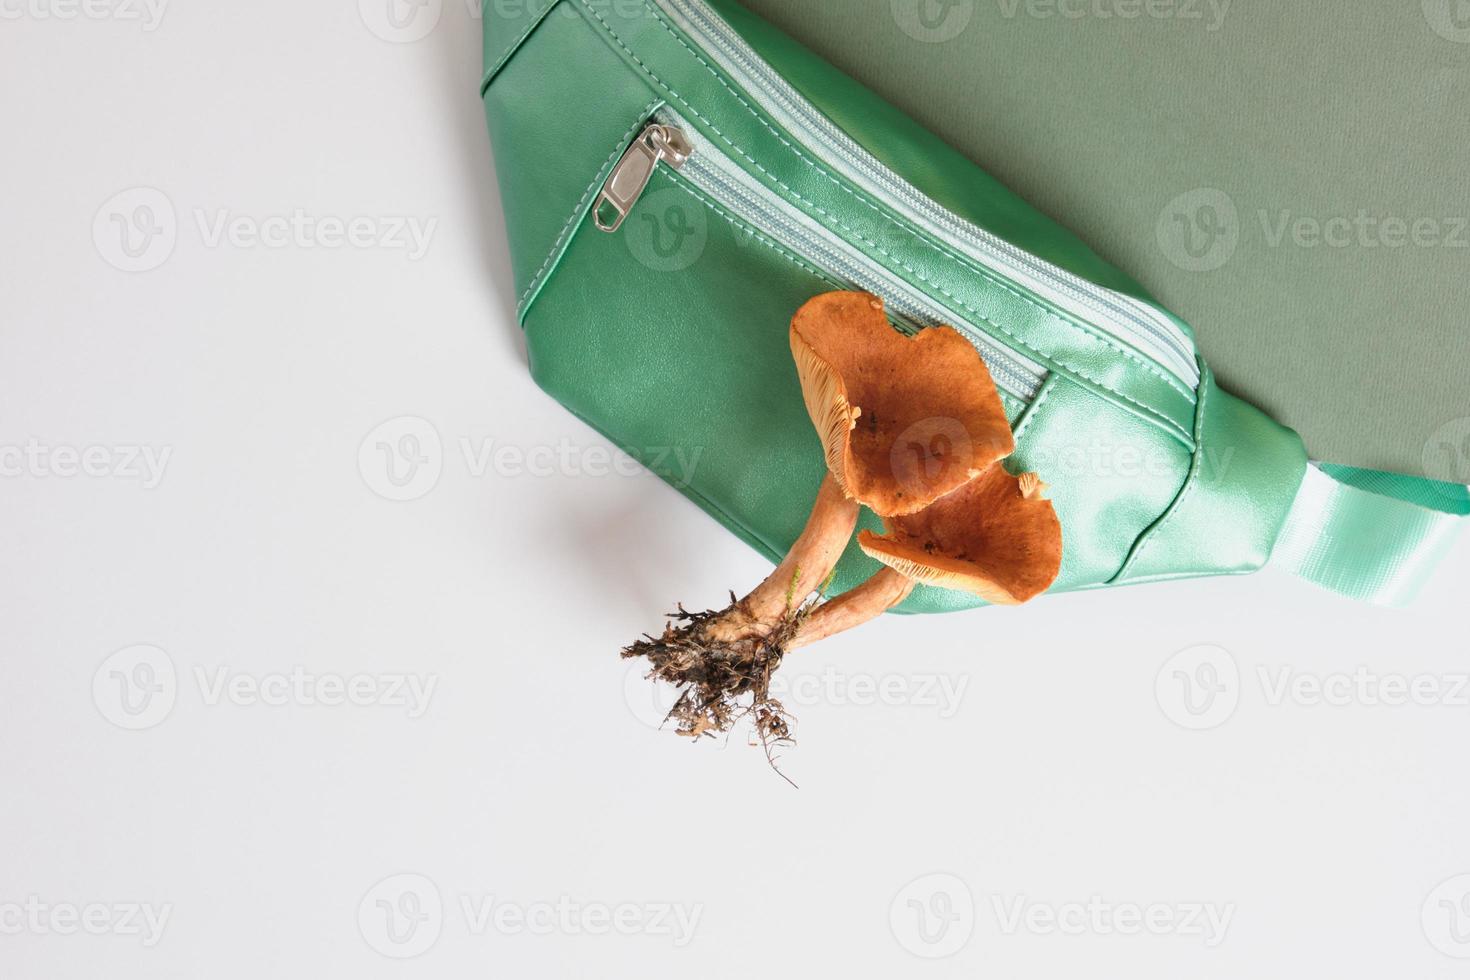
x: 631, y: 175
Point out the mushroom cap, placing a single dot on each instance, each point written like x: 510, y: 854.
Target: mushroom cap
x: 903, y: 420
x: 995, y: 537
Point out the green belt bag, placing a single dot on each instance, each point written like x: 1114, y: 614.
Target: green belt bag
x: 678, y: 177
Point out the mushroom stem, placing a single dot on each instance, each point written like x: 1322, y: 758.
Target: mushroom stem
x: 804, y: 569
x: 884, y: 590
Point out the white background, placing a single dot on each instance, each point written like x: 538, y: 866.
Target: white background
x: 953, y: 770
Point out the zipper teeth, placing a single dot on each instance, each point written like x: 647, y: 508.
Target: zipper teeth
x: 1095, y: 299
x: 711, y: 172
x: 1137, y: 324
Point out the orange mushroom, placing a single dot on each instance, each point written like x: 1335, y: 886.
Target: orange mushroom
x: 996, y: 537
x: 911, y: 427
x: 902, y: 420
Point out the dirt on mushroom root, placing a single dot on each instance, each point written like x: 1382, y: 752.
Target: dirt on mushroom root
x: 722, y: 681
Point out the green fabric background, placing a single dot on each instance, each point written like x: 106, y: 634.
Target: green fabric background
x: 1250, y: 126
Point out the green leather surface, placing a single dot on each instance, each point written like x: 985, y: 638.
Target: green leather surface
x: 514, y: 20
x: 1118, y: 118
x: 1111, y: 475
x: 696, y: 89
x: 1231, y: 502
x: 671, y: 334
x: 665, y: 378
x: 553, y: 144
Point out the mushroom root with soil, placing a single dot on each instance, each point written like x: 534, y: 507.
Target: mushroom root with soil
x: 912, y: 428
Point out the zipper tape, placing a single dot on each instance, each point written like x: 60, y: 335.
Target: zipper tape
x: 1142, y: 327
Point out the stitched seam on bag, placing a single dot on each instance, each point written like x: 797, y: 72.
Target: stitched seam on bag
x: 755, y: 233
x: 1151, y: 535
x: 796, y: 260
x: 514, y: 47
x: 1146, y: 410
x: 915, y: 234
x: 688, y: 488
x: 1046, y: 390
x: 581, y: 207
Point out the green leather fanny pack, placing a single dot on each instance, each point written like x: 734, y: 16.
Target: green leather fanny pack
x: 678, y: 178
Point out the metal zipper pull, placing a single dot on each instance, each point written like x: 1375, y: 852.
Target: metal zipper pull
x: 631, y: 175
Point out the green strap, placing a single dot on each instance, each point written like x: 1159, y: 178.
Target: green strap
x: 1370, y: 535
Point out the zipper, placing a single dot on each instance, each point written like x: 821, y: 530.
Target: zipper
x: 630, y: 175
x: 1140, y: 326
x: 719, y: 178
